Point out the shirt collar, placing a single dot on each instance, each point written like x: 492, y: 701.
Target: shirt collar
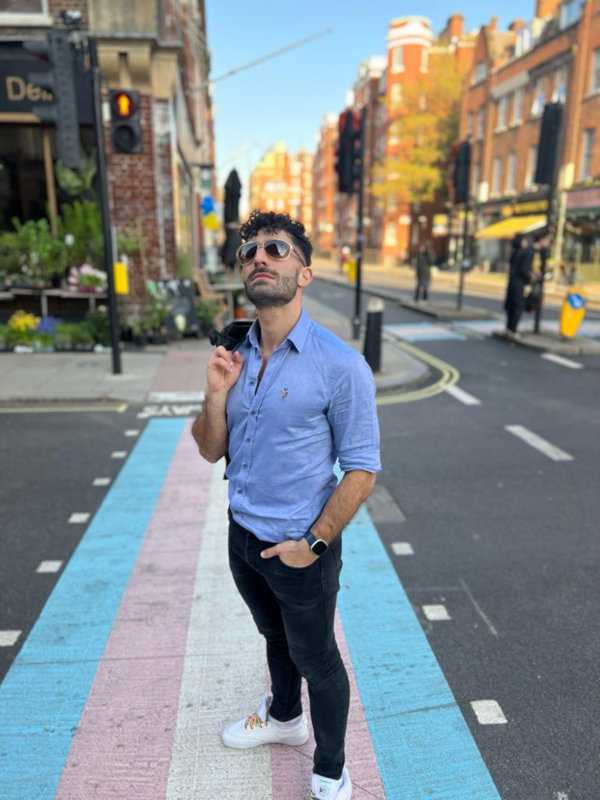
x: 297, y: 336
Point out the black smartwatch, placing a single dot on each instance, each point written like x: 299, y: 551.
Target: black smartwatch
x: 318, y: 546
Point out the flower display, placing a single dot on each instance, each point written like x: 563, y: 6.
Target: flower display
x: 22, y: 322
x: 86, y: 277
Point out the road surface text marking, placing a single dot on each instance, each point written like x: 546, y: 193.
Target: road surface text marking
x: 168, y: 410
x: 402, y: 549
x: 78, y: 518
x: 101, y: 481
x: 488, y: 712
x: 49, y: 566
x: 8, y: 638
x: 530, y: 438
x: 436, y: 613
x: 132, y: 433
x: 462, y: 396
x: 119, y: 454
x: 564, y: 362
x: 176, y: 397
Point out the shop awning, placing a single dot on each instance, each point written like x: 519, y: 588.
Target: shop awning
x: 507, y: 228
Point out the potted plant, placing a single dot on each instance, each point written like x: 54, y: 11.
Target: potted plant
x: 87, y: 278
x: 4, y: 339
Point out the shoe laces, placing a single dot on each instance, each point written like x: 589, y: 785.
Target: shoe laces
x: 260, y: 718
x: 253, y: 721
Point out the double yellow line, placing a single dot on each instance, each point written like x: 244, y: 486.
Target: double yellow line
x: 448, y: 377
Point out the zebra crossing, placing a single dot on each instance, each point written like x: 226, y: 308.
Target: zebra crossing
x: 464, y: 329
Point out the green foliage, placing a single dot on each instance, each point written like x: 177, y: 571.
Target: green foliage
x: 32, y: 250
x: 77, y: 182
x: 70, y: 335
x: 426, y: 127
x: 183, y: 266
x: 98, y: 324
x: 208, y: 310
x: 81, y: 227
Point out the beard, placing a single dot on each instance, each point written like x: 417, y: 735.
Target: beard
x: 274, y: 293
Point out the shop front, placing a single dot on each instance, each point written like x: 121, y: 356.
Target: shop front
x: 500, y: 224
x: 581, y: 248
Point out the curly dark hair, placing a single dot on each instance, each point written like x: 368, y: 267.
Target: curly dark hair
x: 271, y: 222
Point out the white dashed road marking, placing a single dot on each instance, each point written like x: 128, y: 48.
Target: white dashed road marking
x: 8, y: 638
x: 132, y: 433
x: 78, y: 518
x: 436, y: 613
x: 402, y: 549
x: 49, y: 566
x: 119, y: 454
x: 463, y: 396
x: 101, y: 481
x: 564, y: 362
x: 555, y: 453
x: 488, y: 712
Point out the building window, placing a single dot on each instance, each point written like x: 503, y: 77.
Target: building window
x: 395, y: 95
x: 397, y: 60
x: 559, y: 95
x: 390, y: 239
x: 587, y: 152
x: 539, y: 99
x: 23, y: 7
x: 523, y: 42
x: 517, y: 107
x: 511, y: 173
x: 480, y: 72
x: 424, y: 59
x: 530, y: 171
x: 475, y: 174
x: 570, y: 11
x: 497, y: 176
x: 501, y: 115
x: 469, y: 123
x: 480, y: 123
x: 596, y: 71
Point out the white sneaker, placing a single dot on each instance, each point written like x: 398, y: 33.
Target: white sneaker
x: 260, y: 728
x: 330, y: 789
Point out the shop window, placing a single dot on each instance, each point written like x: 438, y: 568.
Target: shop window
x: 22, y: 178
x: 587, y: 153
x: 596, y: 71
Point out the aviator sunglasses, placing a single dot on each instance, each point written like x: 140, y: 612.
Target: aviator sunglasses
x: 274, y: 248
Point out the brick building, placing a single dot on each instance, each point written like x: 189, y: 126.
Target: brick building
x: 555, y: 57
x: 160, y: 50
x: 324, y: 185
x: 282, y: 182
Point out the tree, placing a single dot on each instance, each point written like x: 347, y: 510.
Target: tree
x: 425, y: 127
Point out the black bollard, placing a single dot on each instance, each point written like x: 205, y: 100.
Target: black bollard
x: 372, y: 349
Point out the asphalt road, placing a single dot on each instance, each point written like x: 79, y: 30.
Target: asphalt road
x: 507, y: 540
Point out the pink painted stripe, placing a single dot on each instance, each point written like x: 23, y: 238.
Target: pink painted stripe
x: 292, y: 767
x: 122, y: 747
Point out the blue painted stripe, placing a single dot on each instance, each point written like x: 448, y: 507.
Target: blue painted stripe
x: 423, y: 746
x: 43, y: 694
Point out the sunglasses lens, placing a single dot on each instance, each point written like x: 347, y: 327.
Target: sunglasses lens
x: 277, y: 248
x: 247, y: 252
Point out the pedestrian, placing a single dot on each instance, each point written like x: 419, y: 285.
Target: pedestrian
x: 423, y: 272
x: 284, y: 407
x: 520, y: 275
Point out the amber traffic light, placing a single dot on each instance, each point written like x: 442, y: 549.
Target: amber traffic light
x: 125, y: 121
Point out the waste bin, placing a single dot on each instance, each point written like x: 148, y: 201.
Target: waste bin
x: 572, y: 313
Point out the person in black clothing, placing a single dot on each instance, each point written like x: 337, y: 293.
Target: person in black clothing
x: 521, y: 261
x: 423, y: 272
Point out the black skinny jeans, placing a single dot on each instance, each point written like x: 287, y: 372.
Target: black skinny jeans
x: 294, y: 609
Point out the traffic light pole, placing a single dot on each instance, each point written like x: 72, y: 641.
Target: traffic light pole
x: 359, y: 231
x: 113, y: 315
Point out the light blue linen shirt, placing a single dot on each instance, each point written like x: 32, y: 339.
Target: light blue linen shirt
x: 315, y: 404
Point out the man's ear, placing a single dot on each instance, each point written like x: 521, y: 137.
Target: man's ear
x: 305, y: 277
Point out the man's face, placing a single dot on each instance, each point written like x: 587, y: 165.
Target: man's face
x: 271, y: 282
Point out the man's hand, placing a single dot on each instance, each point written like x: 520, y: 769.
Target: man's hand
x: 292, y: 553
x: 223, y: 370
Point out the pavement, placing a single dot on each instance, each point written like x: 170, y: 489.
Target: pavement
x: 159, y: 374
x: 396, y: 284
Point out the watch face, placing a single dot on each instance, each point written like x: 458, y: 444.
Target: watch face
x: 319, y: 547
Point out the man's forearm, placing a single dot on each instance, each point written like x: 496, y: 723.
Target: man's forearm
x: 210, y: 428
x: 350, y: 493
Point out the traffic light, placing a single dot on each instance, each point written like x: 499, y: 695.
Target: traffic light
x: 125, y: 121
x: 548, y: 144
x: 461, y: 177
x: 57, y: 52
x: 349, y: 154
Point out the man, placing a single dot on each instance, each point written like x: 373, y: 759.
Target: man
x: 284, y: 406
x: 423, y: 272
x: 520, y: 275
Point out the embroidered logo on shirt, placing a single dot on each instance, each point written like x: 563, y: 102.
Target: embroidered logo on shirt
x: 284, y: 393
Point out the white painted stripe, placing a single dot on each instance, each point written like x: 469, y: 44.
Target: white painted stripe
x: 555, y: 453
x: 488, y: 712
x: 464, y: 397
x: 102, y: 481
x: 402, y: 549
x: 8, y: 638
x: 436, y: 613
x: 175, y: 397
x: 119, y: 454
x: 132, y: 433
x: 564, y: 362
x: 224, y: 676
x: 78, y: 518
x: 49, y: 566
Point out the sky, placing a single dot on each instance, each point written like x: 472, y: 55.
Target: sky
x: 285, y: 98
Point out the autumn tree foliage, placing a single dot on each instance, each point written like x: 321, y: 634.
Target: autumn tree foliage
x: 424, y: 127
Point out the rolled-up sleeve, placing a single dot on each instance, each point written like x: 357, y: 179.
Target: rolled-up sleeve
x: 352, y: 415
